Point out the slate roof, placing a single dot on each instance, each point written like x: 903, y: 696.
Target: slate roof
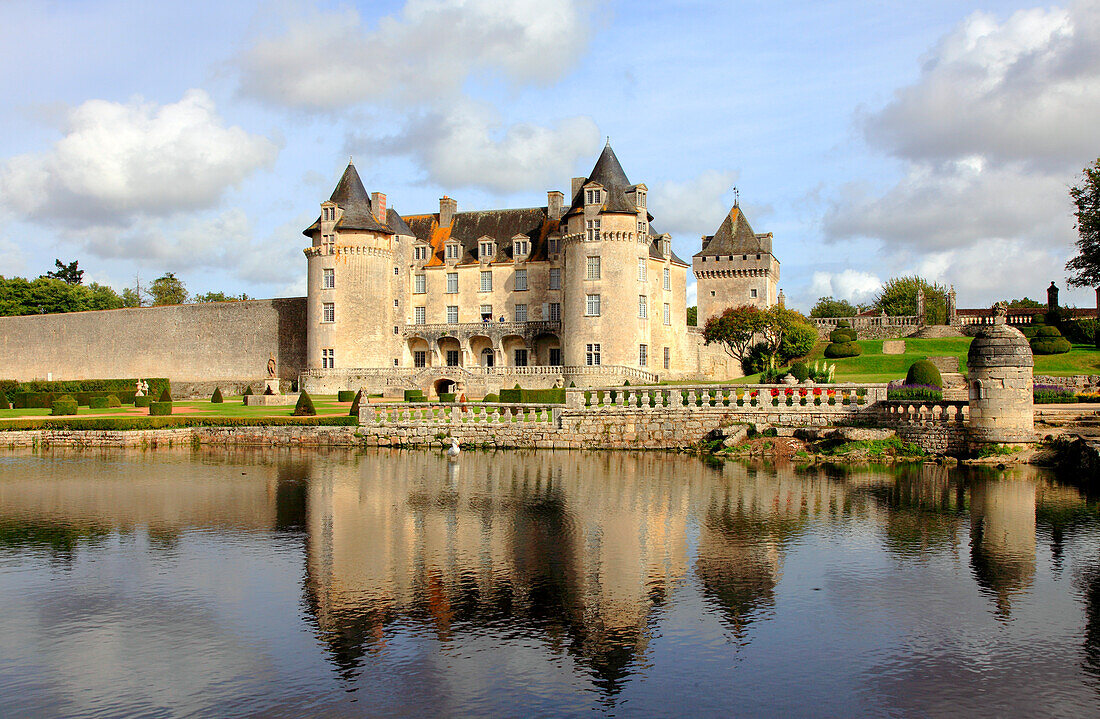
x: 735, y: 237
x: 610, y: 175
x: 352, y: 198
x: 469, y: 227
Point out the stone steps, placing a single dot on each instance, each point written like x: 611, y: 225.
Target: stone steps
x: 928, y: 332
x: 954, y: 387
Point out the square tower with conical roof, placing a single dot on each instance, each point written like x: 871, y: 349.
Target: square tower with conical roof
x: 735, y: 267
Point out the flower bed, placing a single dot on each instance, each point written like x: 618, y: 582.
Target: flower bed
x: 1053, y: 394
x: 914, y: 392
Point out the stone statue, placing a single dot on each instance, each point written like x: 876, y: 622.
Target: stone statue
x: 139, y: 392
x: 1000, y: 313
x: 271, y: 366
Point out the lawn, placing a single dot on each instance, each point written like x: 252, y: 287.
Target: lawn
x: 326, y: 405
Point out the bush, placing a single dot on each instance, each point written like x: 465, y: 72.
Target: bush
x: 756, y: 360
x: 165, y: 395
x: 143, y: 401
x: 160, y: 409
x: 1081, y: 332
x: 97, y: 403
x: 840, y: 336
x: 511, y: 395
x: 838, y: 350
x: 1050, y: 394
x: 354, y: 411
x: 843, y: 324
x: 268, y: 391
x: 114, y: 386
x: 914, y: 392
x: 63, y: 405
x: 345, y: 395
x: 798, y: 342
x: 247, y: 391
x: 4, y: 403
x: 923, y: 372
x: 113, y: 401
x: 800, y: 371
x: 1049, y: 341
x: 217, y: 398
x: 304, y: 408
x: 414, y: 395
x: 491, y: 398
x: 446, y: 396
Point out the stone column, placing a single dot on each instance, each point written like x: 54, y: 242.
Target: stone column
x: 920, y: 305
x: 952, y: 308
x: 1052, y: 297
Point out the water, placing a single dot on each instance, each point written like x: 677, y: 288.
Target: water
x: 539, y: 584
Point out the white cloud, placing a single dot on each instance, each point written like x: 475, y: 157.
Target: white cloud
x: 13, y: 260
x: 852, y: 285
x: 694, y: 207
x: 333, y: 60
x: 119, y: 160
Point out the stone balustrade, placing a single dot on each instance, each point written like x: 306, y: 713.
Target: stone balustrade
x: 447, y: 413
x: 911, y: 412
x: 748, y: 397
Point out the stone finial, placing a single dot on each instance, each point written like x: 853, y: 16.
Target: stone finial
x: 1000, y: 313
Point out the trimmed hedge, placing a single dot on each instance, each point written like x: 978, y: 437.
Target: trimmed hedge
x: 217, y: 398
x: 96, y: 386
x: 113, y: 401
x: 131, y: 422
x: 492, y: 398
x: 160, y: 409
x: 534, y: 396
x: 839, y: 337
x: 838, y: 350
x: 345, y: 395
x: 143, y: 401
x: 917, y: 393
x: 98, y: 403
x: 305, y: 407
x: 63, y: 405
x: 165, y: 395
x: 1049, y: 341
x: 923, y: 372
x: 4, y: 403
x: 446, y: 396
x: 414, y: 395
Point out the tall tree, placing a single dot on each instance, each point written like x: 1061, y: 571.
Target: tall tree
x: 69, y: 274
x: 219, y: 297
x: 832, y: 307
x: 1085, y: 267
x: 693, y: 315
x: 780, y: 322
x: 735, y: 329
x: 898, y: 296
x: 168, y: 290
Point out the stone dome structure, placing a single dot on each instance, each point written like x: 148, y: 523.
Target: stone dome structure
x: 1000, y: 365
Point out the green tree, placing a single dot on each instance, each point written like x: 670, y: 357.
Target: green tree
x: 735, y: 330
x: 168, y: 290
x: 131, y: 298
x: 693, y: 316
x: 779, y: 323
x: 1085, y: 266
x: 68, y: 274
x: 1024, y: 303
x: 832, y: 307
x: 219, y: 297
x: 898, y: 296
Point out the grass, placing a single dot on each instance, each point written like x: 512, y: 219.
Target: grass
x: 873, y: 448
x: 873, y: 366
x: 326, y: 406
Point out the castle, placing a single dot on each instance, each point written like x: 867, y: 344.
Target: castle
x: 586, y: 292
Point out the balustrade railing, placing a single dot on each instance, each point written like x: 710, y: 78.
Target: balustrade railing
x: 877, y: 321
x: 897, y: 412
x: 835, y: 397
x: 441, y: 414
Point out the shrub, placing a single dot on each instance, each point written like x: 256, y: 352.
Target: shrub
x: 839, y: 337
x: 491, y: 398
x: 756, y: 360
x: 511, y: 395
x: 446, y: 396
x: 247, y: 391
x: 572, y: 384
x: 118, y: 386
x: 837, y: 350
x: 345, y: 395
x: 1081, y: 332
x: 160, y: 409
x: 97, y: 403
x: 798, y: 342
x: 268, y: 391
x: 4, y: 403
x: 354, y: 411
x: 143, y: 401
x: 165, y: 395
x: 800, y: 371
x: 1049, y: 341
x: 923, y: 372
x: 113, y: 401
x: 304, y: 408
x: 843, y: 324
x: 63, y: 405
x: 914, y: 392
x: 1051, y: 394
x: 414, y: 395
x: 217, y: 398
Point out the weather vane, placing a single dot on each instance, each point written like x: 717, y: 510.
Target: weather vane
x: 736, y: 197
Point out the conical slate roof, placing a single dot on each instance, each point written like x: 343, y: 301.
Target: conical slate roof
x: 610, y: 175
x: 352, y: 198
x: 735, y: 237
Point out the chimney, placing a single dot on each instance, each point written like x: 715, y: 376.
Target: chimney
x: 578, y: 183
x: 378, y: 204
x: 554, y: 202
x: 447, y: 209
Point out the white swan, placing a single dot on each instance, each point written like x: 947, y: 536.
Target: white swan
x: 454, y: 450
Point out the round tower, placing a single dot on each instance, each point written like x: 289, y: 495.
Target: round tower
x: 1000, y: 366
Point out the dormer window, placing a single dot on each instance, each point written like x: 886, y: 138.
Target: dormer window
x: 521, y: 248
x: 420, y: 253
x: 666, y: 248
x: 485, y: 251
x: 641, y: 198
x: 552, y: 244
x: 452, y: 251
x: 593, y: 197
x: 328, y: 214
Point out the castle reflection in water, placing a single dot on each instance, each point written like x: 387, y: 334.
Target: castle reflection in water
x: 575, y: 551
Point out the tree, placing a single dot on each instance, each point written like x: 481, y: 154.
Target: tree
x: 131, y: 298
x: 69, y: 274
x: 735, y: 329
x: 898, y: 297
x: 832, y: 307
x: 780, y: 322
x: 693, y: 316
x: 219, y: 297
x: 1085, y: 267
x: 1024, y: 303
x: 168, y: 290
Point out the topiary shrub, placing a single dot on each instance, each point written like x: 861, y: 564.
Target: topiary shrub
x: 923, y: 372
x: 268, y: 391
x: 97, y: 403
x: 247, y: 391
x: 841, y: 336
x: 838, y: 350
x: 345, y: 395
x: 143, y: 401
x: 165, y: 396
x: 63, y: 405
x: 446, y: 396
x: 800, y: 371
x: 4, y: 403
x: 113, y: 401
x: 354, y: 411
x: 1049, y: 341
x: 305, y: 407
x: 217, y: 398
x: 414, y: 395
x: 572, y: 384
x: 799, y: 341
x: 160, y: 409
x: 843, y: 324
x: 491, y: 398
x: 511, y: 395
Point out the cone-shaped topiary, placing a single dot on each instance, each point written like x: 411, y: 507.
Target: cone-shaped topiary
x: 354, y: 412
x: 113, y: 401
x: 247, y: 390
x: 837, y: 350
x: 840, y: 336
x: 304, y: 408
x: 925, y: 373
x: 217, y: 398
x: 165, y: 396
x: 572, y: 383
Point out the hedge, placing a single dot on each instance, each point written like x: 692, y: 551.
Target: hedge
x: 160, y: 409
x: 354, y: 411
x: 345, y: 395
x: 915, y: 393
x: 1049, y: 341
x: 97, y: 403
x: 923, y: 372
x: 414, y: 395
x: 446, y: 396
x: 492, y: 398
x: 838, y: 350
x: 132, y: 422
x: 63, y: 405
x: 217, y: 398
x: 114, y: 386
x: 305, y: 407
x: 113, y: 401
x: 4, y: 403
x: 839, y: 337
x: 533, y: 396
x: 143, y: 401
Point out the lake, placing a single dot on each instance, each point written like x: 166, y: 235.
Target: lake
x: 290, y: 583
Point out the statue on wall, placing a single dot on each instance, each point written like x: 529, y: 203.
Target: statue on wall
x: 271, y: 366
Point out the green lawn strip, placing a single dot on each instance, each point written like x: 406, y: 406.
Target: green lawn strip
x: 1082, y: 359
x: 140, y: 422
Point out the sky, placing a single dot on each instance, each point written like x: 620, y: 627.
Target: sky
x: 874, y: 139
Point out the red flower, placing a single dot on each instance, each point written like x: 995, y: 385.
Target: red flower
x: 817, y: 393
x: 789, y: 392
x: 754, y: 393
x: 831, y: 392
x: 775, y: 393
x: 801, y: 393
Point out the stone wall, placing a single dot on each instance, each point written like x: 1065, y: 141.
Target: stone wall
x: 206, y: 343
x: 869, y: 328
x: 1077, y: 383
x: 936, y: 439
x: 184, y: 437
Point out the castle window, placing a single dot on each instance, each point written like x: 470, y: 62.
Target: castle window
x: 643, y: 307
x: 397, y: 270
x: 452, y: 314
x: 667, y: 317
x: 452, y: 250
x: 328, y: 312
x: 758, y: 257
x: 555, y: 312
x: 420, y: 315
x: 396, y: 330
x: 667, y: 358
x: 419, y: 284
x: 641, y: 232
x: 643, y: 355
x: 521, y: 313
x: 521, y: 280
x: 452, y: 283
x: 592, y: 305
x: 643, y: 272
x: 592, y: 355
x: 487, y: 281
x: 420, y: 253
x: 552, y: 245
x: 521, y: 248
x: 452, y: 358
x: 397, y: 303
x: 395, y: 361
x: 592, y: 230
x: 555, y: 278
x: 486, y: 313
x: 420, y: 358
x: 731, y: 258
x: 752, y: 294
x: 641, y: 198
x: 521, y: 358
x: 328, y: 359
x: 593, y: 269
x: 485, y: 251
x: 593, y: 197
x: 328, y: 214
x: 329, y: 278
x: 666, y: 248
x: 744, y: 257
x: 555, y: 357
x: 668, y: 279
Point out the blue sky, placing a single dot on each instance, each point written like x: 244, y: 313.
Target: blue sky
x: 873, y: 139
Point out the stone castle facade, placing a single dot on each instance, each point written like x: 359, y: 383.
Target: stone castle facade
x: 584, y: 291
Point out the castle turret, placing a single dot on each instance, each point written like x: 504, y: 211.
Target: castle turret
x: 1000, y: 365
x: 735, y: 267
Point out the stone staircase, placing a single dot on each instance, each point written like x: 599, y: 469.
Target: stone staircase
x: 954, y: 384
x: 1081, y: 420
